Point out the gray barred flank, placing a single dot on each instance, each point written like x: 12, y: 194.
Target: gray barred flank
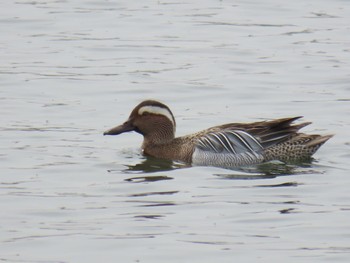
x: 226, y: 160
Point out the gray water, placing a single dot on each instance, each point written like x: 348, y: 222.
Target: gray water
x: 72, y: 69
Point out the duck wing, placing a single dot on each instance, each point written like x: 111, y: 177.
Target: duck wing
x: 267, y: 133
x: 227, y: 148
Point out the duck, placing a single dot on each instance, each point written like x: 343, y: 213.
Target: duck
x: 229, y: 145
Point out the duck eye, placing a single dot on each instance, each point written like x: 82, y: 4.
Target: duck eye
x: 145, y: 113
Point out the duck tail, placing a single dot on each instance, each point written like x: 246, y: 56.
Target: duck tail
x: 299, y: 147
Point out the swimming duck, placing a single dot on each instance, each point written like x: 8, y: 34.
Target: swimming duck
x: 229, y: 145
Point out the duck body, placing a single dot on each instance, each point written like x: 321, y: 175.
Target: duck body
x: 229, y: 145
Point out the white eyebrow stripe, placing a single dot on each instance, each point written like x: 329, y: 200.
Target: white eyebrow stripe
x: 157, y: 110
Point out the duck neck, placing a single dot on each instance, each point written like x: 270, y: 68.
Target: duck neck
x: 159, y: 137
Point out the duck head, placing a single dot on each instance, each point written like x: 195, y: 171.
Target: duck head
x: 153, y: 119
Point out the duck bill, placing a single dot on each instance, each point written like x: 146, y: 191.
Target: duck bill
x: 125, y: 127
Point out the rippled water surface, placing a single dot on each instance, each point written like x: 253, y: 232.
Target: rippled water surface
x: 72, y: 69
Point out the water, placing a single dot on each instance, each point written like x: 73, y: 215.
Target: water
x: 72, y: 69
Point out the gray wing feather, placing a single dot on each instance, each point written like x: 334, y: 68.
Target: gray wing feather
x: 228, y: 148
x: 234, y: 142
